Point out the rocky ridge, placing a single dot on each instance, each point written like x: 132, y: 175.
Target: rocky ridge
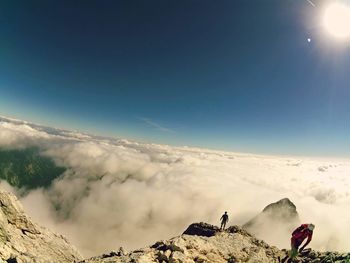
x: 21, y: 240
x: 204, y: 243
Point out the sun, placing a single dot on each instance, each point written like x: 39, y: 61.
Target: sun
x: 337, y: 20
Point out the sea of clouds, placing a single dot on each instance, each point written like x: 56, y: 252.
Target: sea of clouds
x: 121, y: 193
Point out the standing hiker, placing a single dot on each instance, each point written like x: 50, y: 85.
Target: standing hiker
x: 224, y: 220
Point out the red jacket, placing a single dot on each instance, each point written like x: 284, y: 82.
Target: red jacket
x: 300, y: 234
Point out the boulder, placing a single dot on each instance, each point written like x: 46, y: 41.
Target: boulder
x: 201, y: 229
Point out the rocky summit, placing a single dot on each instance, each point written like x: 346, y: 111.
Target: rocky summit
x: 276, y: 218
x: 281, y: 212
x: 21, y: 240
x: 201, y: 243
x: 204, y: 243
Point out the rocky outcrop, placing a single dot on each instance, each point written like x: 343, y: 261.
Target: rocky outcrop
x: 281, y: 216
x: 201, y: 229
x: 283, y: 211
x: 21, y: 240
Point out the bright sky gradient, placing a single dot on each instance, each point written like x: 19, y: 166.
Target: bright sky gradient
x: 236, y: 75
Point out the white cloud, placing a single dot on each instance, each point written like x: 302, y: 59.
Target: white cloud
x: 19, y: 135
x: 121, y: 193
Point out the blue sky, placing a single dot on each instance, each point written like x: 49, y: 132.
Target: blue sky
x: 235, y: 75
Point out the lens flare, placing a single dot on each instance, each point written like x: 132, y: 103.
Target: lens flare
x: 337, y: 20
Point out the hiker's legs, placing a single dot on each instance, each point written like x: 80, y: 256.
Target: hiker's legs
x: 293, y: 252
x: 223, y: 224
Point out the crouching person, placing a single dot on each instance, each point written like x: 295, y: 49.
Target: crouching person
x: 298, y: 236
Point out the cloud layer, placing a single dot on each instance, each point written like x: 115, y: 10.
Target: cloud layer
x: 120, y: 193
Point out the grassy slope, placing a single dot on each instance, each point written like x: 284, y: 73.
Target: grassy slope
x: 27, y: 168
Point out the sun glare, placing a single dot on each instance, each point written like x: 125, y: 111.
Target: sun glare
x: 337, y: 20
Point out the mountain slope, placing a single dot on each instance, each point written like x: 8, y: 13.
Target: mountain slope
x: 21, y: 240
x: 27, y: 168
